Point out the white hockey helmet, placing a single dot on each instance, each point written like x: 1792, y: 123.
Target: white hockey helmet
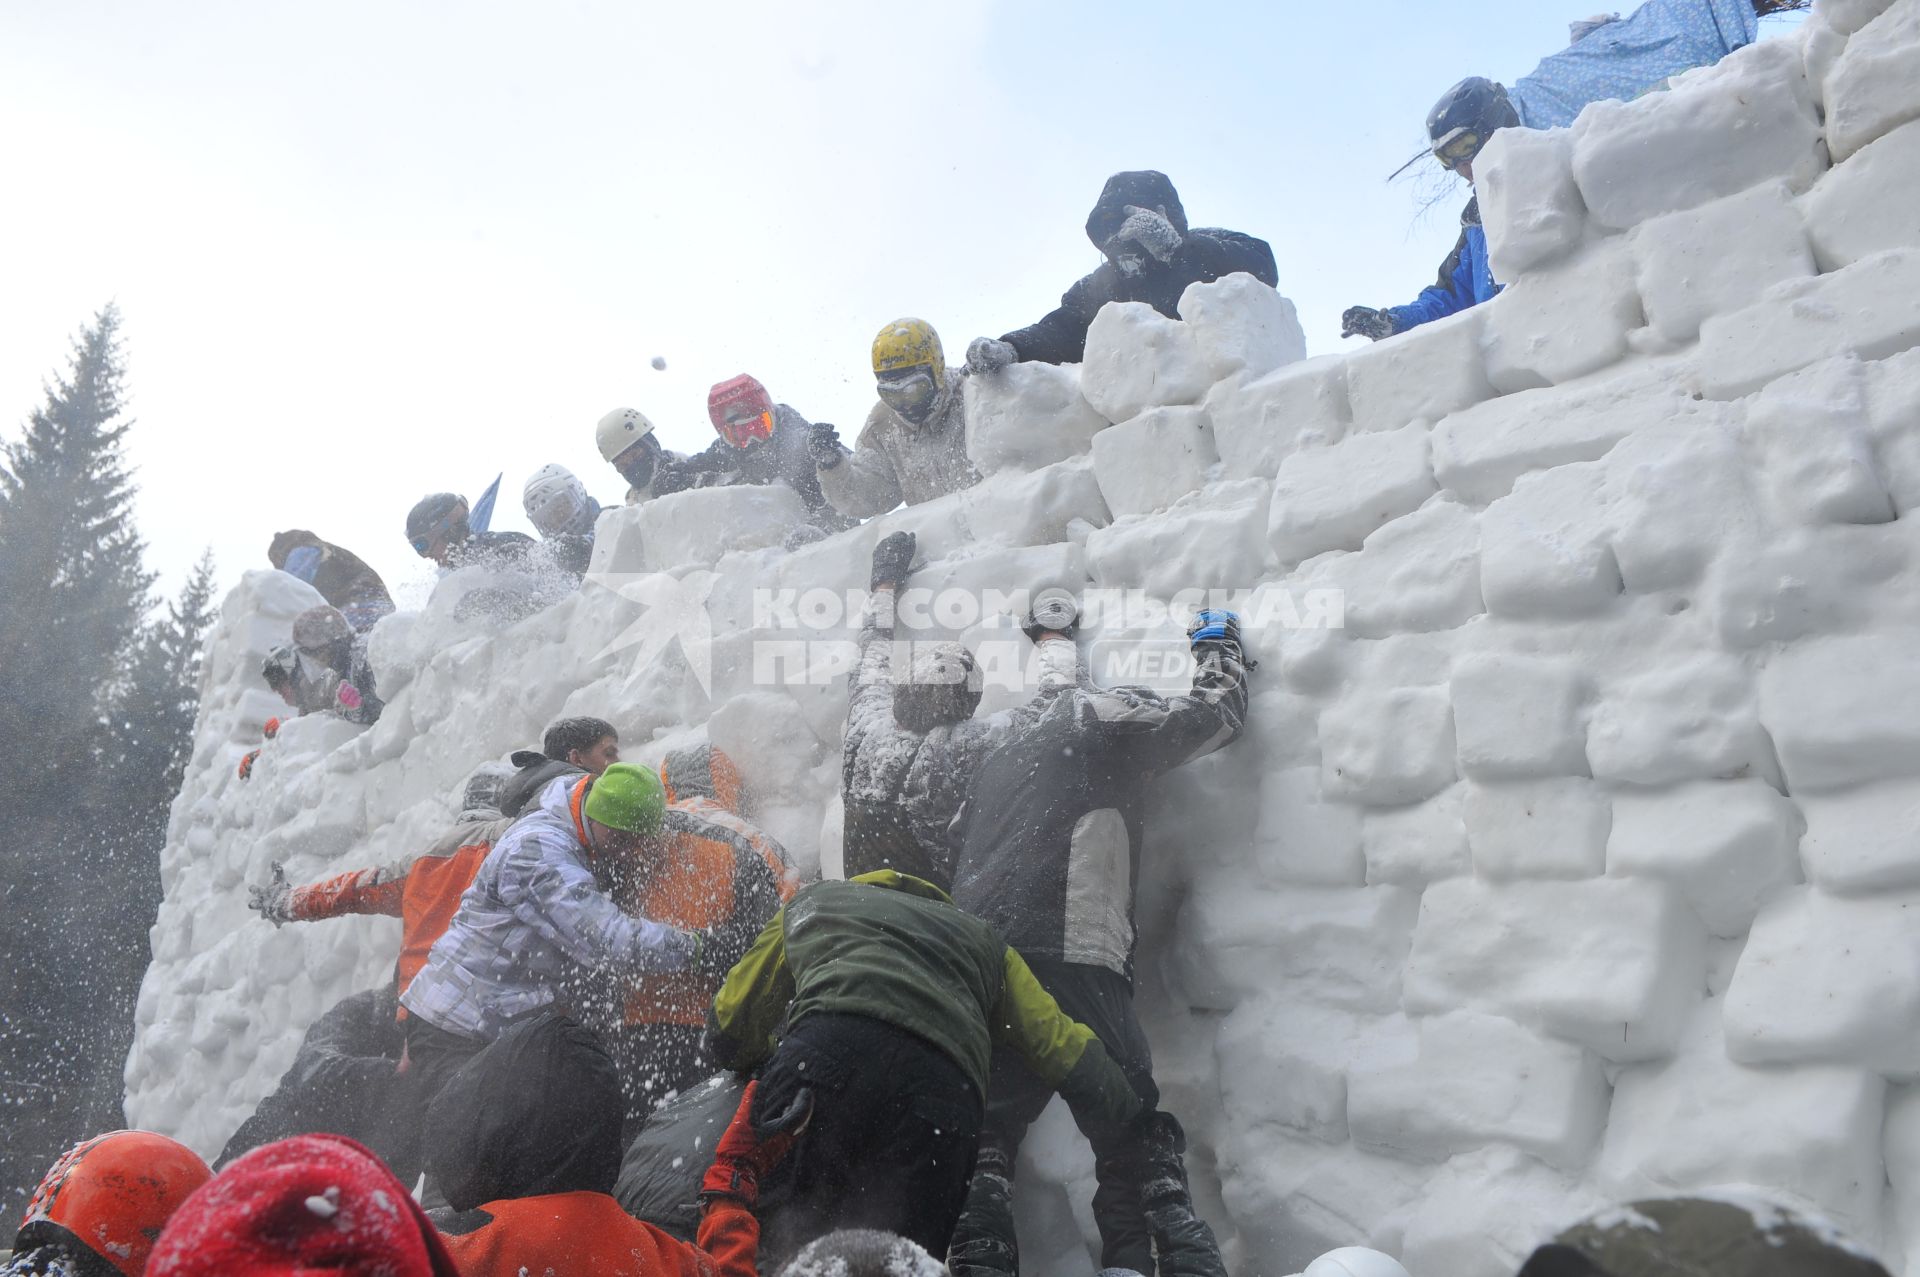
x: 555, y: 500
x: 620, y: 430
x: 1354, y: 1261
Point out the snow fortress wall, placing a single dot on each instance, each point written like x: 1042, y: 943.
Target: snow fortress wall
x: 1573, y: 848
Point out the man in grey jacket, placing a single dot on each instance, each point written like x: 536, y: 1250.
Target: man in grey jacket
x: 913, y: 447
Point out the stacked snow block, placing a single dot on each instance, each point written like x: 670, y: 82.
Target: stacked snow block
x: 1572, y: 851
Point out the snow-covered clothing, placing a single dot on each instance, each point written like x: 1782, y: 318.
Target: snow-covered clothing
x: 785, y: 456
x: 1466, y: 278
x: 536, y: 912
x: 500, y: 550
x: 669, y: 476
x: 342, y: 577
x: 1702, y: 1237
x: 333, y: 674
x: 1632, y: 56
x: 895, y: 460
x: 571, y: 549
x: 1205, y: 254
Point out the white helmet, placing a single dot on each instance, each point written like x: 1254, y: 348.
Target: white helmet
x: 556, y: 502
x: 1354, y: 1261
x: 620, y: 430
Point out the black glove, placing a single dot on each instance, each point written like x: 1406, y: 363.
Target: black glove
x: 892, y: 559
x: 1365, y: 321
x: 1053, y: 611
x: 824, y: 446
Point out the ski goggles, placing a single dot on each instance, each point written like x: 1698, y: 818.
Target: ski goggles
x: 909, y: 392
x: 1459, y: 146
x: 741, y: 427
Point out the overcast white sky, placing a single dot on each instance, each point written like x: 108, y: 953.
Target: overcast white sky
x: 369, y: 251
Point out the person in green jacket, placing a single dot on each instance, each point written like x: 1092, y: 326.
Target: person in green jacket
x: 892, y: 1001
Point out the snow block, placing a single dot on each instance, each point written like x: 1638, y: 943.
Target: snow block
x: 1027, y: 416
x: 1387, y: 747
x: 1824, y: 979
x: 1546, y: 548
x: 1480, y: 1079
x: 1259, y: 423
x: 1808, y: 432
x: 1847, y: 16
x: 1686, y: 273
x: 1691, y: 719
x: 1563, y: 321
x: 695, y: 528
x: 1862, y: 841
x: 1333, y: 498
x: 617, y: 542
x: 1240, y: 324
x: 1874, y: 86
x: 1293, y: 1199
x: 1302, y: 837
x: 1893, y: 417
x: 1486, y: 1211
x: 1553, y: 828
x: 1285, y: 1064
x: 1840, y: 709
x: 1150, y: 462
x: 1478, y: 453
x: 1529, y: 204
x: 1036, y: 508
x: 1727, y: 845
x: 1676, y: 495
x: 1862, y: 207
x: 1414, y: 845
x: 1335, y: 947
x: 1217, y: 541
x: 1721, y: 129
x: 1517, y: 716
x: 1418, y: 573
x: 1870, y: 309
x: 1813, y: 1132
x: 1615, y: 964
x: 1420, y: 375
x: 1138, y: 359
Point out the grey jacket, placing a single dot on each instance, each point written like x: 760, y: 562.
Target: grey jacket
x: 896, y: 461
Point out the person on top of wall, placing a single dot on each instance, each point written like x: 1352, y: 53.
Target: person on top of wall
x: 913, y: 447
x: 339, y: 575
x: 761, y: 442
x: 627, y: 443
x: 437, y: 529
x: 1152, y: 255
x: 334, y: 658
x: 101, y: 1204
x: 561, y: 511
x: 570, y: 747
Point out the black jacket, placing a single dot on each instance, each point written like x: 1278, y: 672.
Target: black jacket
x: 783, y: 457
x: 536, y: 770
x: 1050, y: 835
x: 1205, y: 254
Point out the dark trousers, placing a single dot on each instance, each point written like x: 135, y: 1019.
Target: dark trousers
x: 433, y: 1056
x: 891, y: 1142
x: 985, y: 1242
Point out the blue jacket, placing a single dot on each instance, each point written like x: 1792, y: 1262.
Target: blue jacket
x: 1466, y: 278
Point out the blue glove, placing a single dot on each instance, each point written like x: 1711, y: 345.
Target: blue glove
x: 1211, y: 623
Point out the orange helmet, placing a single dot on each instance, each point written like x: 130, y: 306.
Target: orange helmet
x: 112, y: 1195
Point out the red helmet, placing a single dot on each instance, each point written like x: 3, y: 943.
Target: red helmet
x: 112, y: 1195
x: 741, y: 410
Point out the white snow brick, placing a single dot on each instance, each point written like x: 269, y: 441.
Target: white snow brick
x: 1554, y: 828
x: 1217, y: 541
x: 1687, y: 272
x: 1333, y: 498
x: 1613, y: 963
x: 617, y: 543
x: 1480, y: 1079
x: 1479, y: 452
x: 1727, y: 845
x: 1026, y: 416
x: 1689, y: 719
x: 1721, y: 129
x: 1285, y: 1064
x: 1240, y: 323
x: 1334, y: 946
x: 1387, y: 747
x: 1824, y: 979
x: 1416, y: 574
x: 1421, y: 843
x: 1546, y: 549
x: 1420, y: 375
x: 1517, y: 716
x: 1702, y: 1121
x: 1865, y: 206
x: 1845, y: 17
x: 1677, y: 494
x: 696, y: 528
x: 1840, y: 709
x: 1870, y: 309
x: 1150, y: 462
x: 1302, y: 836
x: 1893, y: 415
x: 1485, y: 1212
x: 1258, y: 423
x: 1862, y: 841
x: 1808, y: 431
x: 1874, y: 86
x: 1039, y: 508
x: 1529, y: 204
x: 1822, y: 46
x: 1563, y: 321
x: 1293, y: 1199
x: 1138, y: 359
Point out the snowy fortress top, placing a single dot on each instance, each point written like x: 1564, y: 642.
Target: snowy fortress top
x: 1576, y: 864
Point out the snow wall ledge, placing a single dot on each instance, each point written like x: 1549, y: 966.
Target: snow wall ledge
x: 1580, y: 864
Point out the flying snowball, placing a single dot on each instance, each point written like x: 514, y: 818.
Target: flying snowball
x: 659, y: 363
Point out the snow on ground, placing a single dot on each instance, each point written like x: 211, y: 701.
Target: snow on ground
x: 1580, y: 864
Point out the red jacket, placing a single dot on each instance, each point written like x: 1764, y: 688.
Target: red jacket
x: 588, y: 1235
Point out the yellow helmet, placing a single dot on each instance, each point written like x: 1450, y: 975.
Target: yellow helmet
x: 909, y: 343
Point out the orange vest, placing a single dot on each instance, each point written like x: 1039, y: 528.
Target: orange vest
x: 577, y: 1235
x: 428, y: 902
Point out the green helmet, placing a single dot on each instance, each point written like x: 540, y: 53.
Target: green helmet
x: 627, y: 798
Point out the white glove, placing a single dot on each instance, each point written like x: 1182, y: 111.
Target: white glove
x: 1151, y: 231
x: 274, y: 900
x: 990, y: 354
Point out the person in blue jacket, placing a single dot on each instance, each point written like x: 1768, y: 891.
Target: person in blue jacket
x: 1459, y: 126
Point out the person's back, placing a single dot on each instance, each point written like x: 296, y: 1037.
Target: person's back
x: 341, y: 576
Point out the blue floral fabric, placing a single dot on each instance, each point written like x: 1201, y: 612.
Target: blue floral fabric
x: 1633, y: 56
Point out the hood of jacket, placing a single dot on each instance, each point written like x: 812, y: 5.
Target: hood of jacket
x: 1144, y: 188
